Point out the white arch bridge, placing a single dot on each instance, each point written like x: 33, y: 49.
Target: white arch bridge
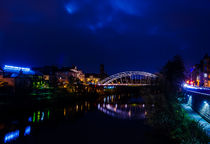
x: 130, y: 78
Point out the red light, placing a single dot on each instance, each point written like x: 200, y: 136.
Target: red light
x: 191, y: 82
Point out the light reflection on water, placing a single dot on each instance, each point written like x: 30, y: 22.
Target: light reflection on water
x: 109, y: 105
x: 133, y: 110
x: 11, y: 132
x: 124, y: 111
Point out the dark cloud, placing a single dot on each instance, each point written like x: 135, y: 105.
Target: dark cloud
x: 122, y: 34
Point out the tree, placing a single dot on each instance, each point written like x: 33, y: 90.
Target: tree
x: 75, y: 84
x: 173, y: 73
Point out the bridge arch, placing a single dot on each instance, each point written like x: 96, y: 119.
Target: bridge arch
x: 129, y: 78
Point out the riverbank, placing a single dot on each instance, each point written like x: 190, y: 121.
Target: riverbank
x: 169, y: 117
x: 196, y: 117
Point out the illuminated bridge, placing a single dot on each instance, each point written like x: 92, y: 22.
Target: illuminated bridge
x: 199, y: 99
x: 129, y: 78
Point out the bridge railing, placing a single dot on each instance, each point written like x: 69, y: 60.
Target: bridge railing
x: 129, y: 78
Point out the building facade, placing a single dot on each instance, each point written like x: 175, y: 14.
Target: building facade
x: 66, y: 75
x: 94, y: 78
x: 200, y: 74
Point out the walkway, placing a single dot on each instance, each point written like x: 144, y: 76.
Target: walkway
x: 197, y: 117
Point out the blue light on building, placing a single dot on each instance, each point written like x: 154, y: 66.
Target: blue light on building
x: 27, y: 130
x: 15, y: 69
x: 11, y: 136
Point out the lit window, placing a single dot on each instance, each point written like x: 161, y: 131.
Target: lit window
x: 205, y: 75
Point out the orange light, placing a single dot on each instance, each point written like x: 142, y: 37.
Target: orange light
x: 198, y: 82
x: 187, y: 81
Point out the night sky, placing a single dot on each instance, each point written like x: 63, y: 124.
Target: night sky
x: 122, y: 34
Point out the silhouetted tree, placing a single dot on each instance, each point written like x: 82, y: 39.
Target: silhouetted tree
x: 173, y: 73
x: 75, y: 84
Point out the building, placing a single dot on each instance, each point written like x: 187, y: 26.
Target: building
x: 94, y: 78
x: 19, y: 79
x: 77, y: 73
x: 205, y: 70
x: 48, y: 74
x: 12, y: 74
x: 5, y: 81
x: 67, y: 75
x: 200, y: 73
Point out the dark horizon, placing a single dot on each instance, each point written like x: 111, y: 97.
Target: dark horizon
x: 97, y: 67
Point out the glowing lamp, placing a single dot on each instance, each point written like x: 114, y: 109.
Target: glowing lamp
x: 205, y: 102
x: 205, y: 75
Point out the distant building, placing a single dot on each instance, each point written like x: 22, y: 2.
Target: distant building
x: 63, y: 75
x: 60, y: 76
x: 18, y: 77
x: 200, y: 74
x: 9, y: 74
x: 94, y: 78
x: 48, y: 74
x: 77, y: 73
x: 5, y: 81
x: 103, y: 74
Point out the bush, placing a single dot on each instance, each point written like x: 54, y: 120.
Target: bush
x: 171, y: 118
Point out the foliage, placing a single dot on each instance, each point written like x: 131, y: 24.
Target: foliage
x: 168, y: 114
x: 173, y: 73
x: 40, y: 85
x: 172, y: 119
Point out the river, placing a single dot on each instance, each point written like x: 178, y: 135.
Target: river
x: 113, y: 119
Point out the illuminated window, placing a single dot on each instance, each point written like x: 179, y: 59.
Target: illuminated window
x: 205, y: 75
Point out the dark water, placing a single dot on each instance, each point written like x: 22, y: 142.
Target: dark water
x: 111, y: 120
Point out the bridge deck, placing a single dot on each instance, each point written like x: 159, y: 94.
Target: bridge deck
x: 197, y: 90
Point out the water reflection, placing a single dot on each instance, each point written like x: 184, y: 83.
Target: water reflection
x: 124, y: 111
x: 113, y: 106
x: 27, y: 131
x: 11, y: 136
x: 26, y: 124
